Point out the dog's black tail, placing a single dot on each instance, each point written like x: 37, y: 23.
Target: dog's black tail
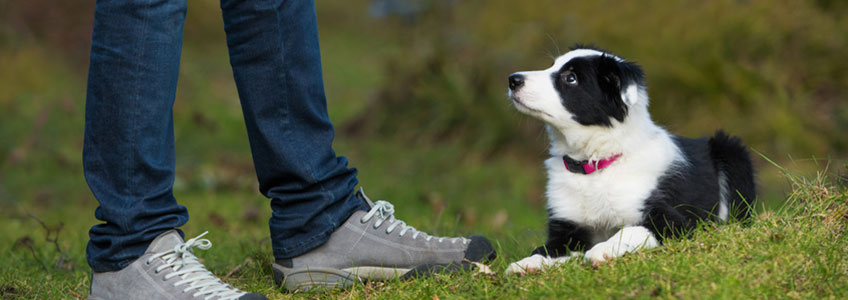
x: 732, y: 162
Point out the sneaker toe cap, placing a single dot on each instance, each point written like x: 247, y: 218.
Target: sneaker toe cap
x: 479, y: 249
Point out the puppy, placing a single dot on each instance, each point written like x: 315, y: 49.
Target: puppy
x: 617, y: 182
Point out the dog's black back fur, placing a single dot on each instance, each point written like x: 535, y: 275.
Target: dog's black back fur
x: 690, y: 191
x: 687, y: 193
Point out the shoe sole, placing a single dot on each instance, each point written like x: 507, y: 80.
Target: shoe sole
x: 307, y: 279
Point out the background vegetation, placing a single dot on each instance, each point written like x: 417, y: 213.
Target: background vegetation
x: 417, y: 92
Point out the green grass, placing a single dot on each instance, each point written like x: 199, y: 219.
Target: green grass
x: 794, y: 251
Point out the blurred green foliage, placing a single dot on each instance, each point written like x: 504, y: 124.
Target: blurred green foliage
x: 769, y: 72
x: 433, y: 85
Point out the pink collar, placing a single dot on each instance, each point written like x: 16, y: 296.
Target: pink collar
x: 587, y: 166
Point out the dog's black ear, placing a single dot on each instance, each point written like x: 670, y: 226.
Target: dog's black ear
x: 620, y: 81
x: 610, y: 83
x: 632, y: 80
x: 623, y: 77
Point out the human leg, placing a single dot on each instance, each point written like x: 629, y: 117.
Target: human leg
x: 277, y: 68
x: 128, y: 154
x: 323, y: 235
x: 128, y: 159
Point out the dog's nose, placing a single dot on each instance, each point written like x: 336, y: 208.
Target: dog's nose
x: 516, y: 81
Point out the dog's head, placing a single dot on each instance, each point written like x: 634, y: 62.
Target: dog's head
x: 586, y: 87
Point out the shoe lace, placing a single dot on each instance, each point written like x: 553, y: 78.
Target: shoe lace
x: 385, y: 214
x: 193, y: 273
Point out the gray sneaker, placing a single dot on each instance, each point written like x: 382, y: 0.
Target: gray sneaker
x: 167, y: 270
x: 373, y: 245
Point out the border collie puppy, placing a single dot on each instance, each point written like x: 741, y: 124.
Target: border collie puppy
x: 617, y: 182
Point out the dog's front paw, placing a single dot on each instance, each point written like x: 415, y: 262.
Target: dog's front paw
x: 531, y: 264
x: 601, y: 253
x: 537, y: 263
x: 628, y: 239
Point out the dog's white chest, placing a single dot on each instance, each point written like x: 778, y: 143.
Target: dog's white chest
x: 605, y: 200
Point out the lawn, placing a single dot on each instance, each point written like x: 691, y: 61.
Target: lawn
x: 796, y: 250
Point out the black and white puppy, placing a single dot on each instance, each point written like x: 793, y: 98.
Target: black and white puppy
x: 617, y: 182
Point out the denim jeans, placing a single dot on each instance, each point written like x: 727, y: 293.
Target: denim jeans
x: 128, y: 152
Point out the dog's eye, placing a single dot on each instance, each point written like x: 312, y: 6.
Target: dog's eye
x: 570, y: 78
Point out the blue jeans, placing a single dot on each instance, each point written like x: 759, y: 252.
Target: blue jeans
x: 128, y: 153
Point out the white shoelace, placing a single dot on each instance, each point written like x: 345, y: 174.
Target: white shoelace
x: 193, y: 273
x: 385, y: 213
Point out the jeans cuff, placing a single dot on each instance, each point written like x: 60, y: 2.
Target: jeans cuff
x: 100, y: 267
x: 318, y: 239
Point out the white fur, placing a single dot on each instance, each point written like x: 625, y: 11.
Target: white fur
x: 722, y: 193
x: 631, y: 94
